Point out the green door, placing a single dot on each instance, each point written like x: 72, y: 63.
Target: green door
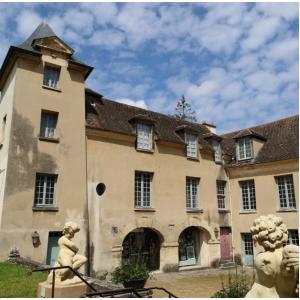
x: 248, y: 249
x: 53, y: 247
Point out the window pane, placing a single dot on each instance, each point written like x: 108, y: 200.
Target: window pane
x: 144, y: 136
x: 192, y: 192
x: 48, y: 125
x: 51, y: 76
x: 286, y: 192
x: 293, y: 237
x: 45, y: 190
x: 191, y: 141
x: 221, y: 194
x: 218, y: 152
x: 244, y: 150
x: 143, y: 189
x: 248, y: 195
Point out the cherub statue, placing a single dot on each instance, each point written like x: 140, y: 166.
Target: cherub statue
x: 67, y: 256
x: 277, y: 266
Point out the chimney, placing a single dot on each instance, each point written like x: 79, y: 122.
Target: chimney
x: 210, y: 126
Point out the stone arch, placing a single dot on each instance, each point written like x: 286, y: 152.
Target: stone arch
x: 193, y: 246
x: 142, y: 245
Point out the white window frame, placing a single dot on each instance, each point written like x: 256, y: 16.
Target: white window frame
x: 191, y: 145
x: 140, y: 199
x: 48, y: 125
x: 221, y: 195
x: 192, y: 198
x: 144, y: 136
x: 46, y: 177
x: 51, y: 76
x: 290, y: 199
x: 218, y: 152
x: 293, y: 237
x: 3, y: 129
x: 244, y: 148
x: 249, y: 186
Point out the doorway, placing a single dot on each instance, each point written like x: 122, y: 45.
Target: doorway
x: 225, y: 243
x: 247, y: 248
x: 53, y: 248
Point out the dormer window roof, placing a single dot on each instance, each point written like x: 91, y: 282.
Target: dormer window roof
x: 249, y: 133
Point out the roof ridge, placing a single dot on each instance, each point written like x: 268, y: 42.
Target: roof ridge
x: 260, y: 125
x: 148, y: 110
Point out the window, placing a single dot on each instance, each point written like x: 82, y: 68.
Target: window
x: 293, y: 237
x: 2, y: 133
x: 45, y: 185
x: 218, y: 152
x: 244, y: 149
x: 248, y: 195
x: 285, y: 186
x: 143, y: 189
x: 48, y: 125
x: 221, y: 194
x: 192, y: 196
x: 51, y: 76
x: 144, y: 137
x: 191, y: 148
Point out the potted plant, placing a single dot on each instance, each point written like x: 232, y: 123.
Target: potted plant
x: 133, y: 275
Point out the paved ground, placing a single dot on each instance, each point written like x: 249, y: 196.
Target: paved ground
x: 192, y: 284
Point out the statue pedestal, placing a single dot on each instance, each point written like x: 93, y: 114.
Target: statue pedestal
x: 62, y: 291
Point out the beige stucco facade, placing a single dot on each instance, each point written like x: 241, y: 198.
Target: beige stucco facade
x: 82, y: 158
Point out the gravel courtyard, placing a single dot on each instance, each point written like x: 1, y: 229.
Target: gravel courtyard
x: 193, y: 284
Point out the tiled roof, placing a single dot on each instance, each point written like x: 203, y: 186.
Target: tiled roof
x: 113, y: 116
x: 281, y: 141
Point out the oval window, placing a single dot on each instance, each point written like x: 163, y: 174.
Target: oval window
x: 100, y: 188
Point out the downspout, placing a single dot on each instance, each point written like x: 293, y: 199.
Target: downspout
x: 230, y: 208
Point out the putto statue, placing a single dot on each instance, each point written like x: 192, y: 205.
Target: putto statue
x: 277, y: 266
x: 67, y: 256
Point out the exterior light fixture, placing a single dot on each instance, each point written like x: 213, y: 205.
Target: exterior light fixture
x: 100, y: 188
x: 216, y: 231
x: 35, y: 239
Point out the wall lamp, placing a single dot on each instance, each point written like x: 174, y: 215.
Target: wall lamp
x: 35, y: 239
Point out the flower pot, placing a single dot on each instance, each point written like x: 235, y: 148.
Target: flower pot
x: 135, y: 283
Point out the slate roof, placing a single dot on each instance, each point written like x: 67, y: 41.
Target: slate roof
x: 42, y: 31
x: 281, y: 141
x: 108, y: 115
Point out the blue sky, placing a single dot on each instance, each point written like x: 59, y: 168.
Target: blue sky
x: 236, y: 63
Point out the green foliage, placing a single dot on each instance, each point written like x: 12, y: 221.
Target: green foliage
x: 130, y: 272
x: 16, y: 281
x: 236, y: 287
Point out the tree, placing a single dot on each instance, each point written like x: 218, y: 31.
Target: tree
x: 184, y: 110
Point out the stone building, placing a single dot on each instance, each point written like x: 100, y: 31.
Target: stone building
x: 141, y: 185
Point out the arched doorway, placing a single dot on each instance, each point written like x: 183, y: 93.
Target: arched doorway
x: 189, y: 247
x: 142, y: 245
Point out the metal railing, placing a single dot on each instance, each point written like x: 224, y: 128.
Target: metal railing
x: 64, y: 267
x: 126, y: 291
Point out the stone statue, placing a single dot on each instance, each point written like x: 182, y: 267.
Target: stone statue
x: 67, y: 256
x: 277, y: 266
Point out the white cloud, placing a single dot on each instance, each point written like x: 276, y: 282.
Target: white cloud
x: 285, y: 10
x: 138, y: 103
x: 261, y: 32
x: 27, y: 21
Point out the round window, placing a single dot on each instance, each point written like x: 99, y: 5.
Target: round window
x: 100, y: 188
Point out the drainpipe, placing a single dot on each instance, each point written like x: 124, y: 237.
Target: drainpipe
x: 230, y: 208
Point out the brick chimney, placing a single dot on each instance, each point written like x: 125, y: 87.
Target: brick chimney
x: 210, y: 126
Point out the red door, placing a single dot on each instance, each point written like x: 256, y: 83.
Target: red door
x: 225, y: 241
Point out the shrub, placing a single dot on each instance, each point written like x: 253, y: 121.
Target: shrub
x: 237, y: 287
x: 130, y: 272
x: 238, y: 259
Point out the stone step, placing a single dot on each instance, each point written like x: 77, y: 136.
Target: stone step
x: 227, y: 265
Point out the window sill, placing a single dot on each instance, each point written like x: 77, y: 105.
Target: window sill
x: 144, y: 150
x: 223, y: 210
x: 194, y: 210
x: 192, y: 158
x: 51, y: 88
x: 248, y: 212
x: 45, y: 208
x: 287, y: 210
x: 149, y: 209
x: 51, y: 140
x: 218, y: 162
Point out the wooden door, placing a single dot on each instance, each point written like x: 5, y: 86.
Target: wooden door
x: 225, y: 243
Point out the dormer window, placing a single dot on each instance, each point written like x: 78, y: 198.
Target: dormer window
x: 144, y: 137
x: 218, y: 152
x: 244, y: 148
x: 51, y: 77
x: 191, y: 145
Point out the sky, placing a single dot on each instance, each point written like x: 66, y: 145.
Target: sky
x: 236, y: 63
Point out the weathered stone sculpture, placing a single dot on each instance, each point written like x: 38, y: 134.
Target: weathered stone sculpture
x: 277, y: 266
x: 67, y: 256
